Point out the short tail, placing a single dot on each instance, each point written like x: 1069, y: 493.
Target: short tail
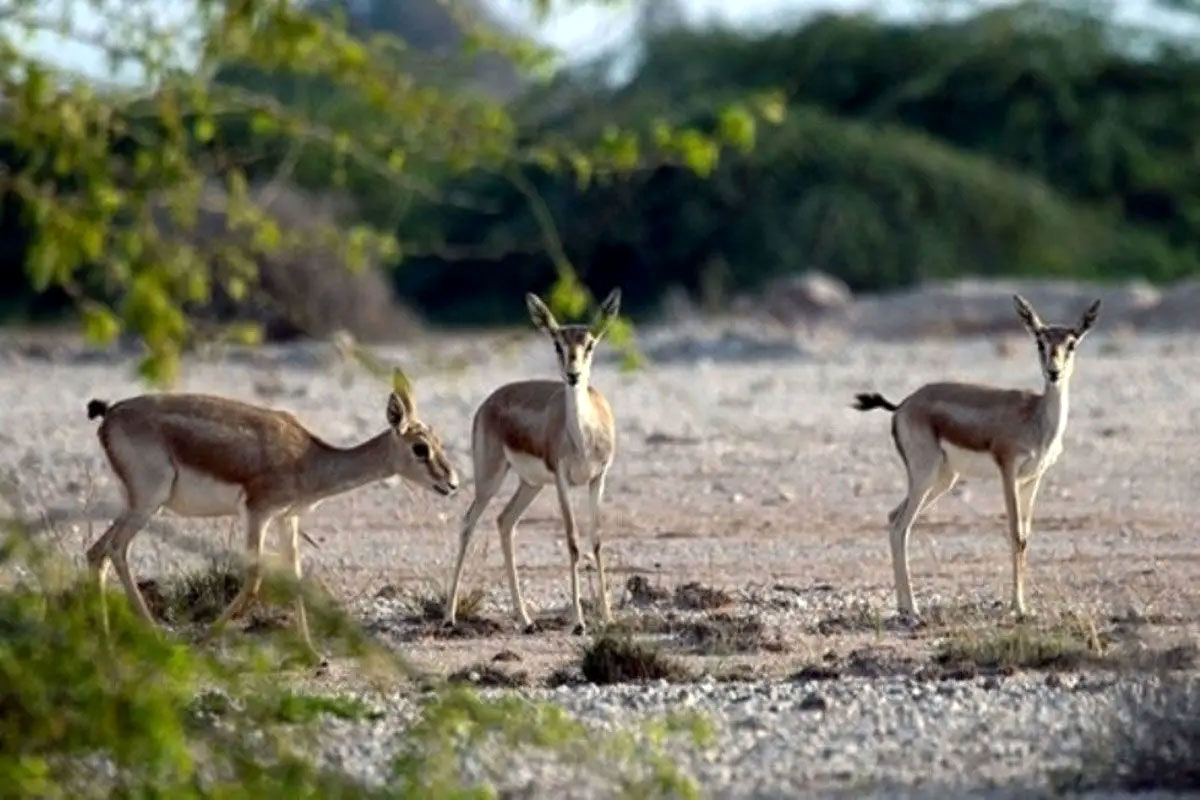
x: 866, y: 402
x: 97, y: 408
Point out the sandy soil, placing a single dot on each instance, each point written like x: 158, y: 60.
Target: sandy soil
x: 747, y: 472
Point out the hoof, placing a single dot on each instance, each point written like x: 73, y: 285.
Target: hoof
x: 577, y: 630
x: 448, y: 625
x: 531, y: 629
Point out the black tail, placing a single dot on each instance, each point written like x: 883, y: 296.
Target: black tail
x: 866, y: 402
x: 97, y: 408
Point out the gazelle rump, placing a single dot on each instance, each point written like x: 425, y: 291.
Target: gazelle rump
x: 204, y: 456
x: 558, y: 432
x: 941, y: 427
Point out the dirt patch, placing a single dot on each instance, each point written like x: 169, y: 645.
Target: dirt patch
x: 726, y: 634
x: 695, y: 596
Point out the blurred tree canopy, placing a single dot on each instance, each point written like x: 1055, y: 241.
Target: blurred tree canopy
x: 145, y: 200
x: 1028, y: 140
x: 1025, y: 140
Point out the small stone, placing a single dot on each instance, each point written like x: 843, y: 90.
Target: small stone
x: 813, y: 702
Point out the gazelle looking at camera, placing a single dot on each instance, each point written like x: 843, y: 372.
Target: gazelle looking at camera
x: 204, y: 456
x: 941, y: 428
x: 558, y: 432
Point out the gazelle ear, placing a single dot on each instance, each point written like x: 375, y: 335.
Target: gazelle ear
x: 541, y: 316
x: 608, y: 312
x: 1088, y: 320
x: 402, y: 393
x: 396, y: 413
x: 1033, y: 323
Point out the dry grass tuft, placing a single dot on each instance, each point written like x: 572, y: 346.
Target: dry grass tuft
x: 619, y: 659
x: 695, y: 596
x: 487, y: 675
x: 726, y: 634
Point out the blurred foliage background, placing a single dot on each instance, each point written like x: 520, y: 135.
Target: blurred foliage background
x: 445, y: 159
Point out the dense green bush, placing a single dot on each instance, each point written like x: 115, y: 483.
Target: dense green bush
x: 139, y: 713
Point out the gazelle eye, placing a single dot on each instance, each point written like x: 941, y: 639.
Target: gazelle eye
x: 421, y: 450
x: 1070, y: 347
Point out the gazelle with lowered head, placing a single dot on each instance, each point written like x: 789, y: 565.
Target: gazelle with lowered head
x: 558, y: 432
x: 942, y: 429
x: 205, y: 456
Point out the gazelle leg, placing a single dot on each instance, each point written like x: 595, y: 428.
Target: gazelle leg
x: 1016, y: 537
x: 114, y: 546
x: 595, y: 496
x: 564, y: 501
x: 486, y: 487
x: 257, y: 524
x: 507, y: 523
x: 926, y: 471
x: 292, y: 546
x: 1026, y: 496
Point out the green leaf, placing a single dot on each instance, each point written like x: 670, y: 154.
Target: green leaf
x: 736, y: 128
x: 100, y: 324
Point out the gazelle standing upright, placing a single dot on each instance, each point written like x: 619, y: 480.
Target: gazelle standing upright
x: 558, y: 432
x: 204, y: 456
x: 941, y: 428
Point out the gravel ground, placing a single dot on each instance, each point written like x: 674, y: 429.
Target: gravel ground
x: 741, y: 466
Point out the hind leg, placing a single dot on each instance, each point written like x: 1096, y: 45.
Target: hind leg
x: 927, y: 472
x: 145, y: 497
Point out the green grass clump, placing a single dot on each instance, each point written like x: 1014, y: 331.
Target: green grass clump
x: 141, y: 713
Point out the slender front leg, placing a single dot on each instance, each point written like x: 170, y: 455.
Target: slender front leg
x: 564, y: 500
x: 293, y: 553
x: 256, y: 531
x: 507, y: 523
x: 1016, y: 537
x: 595, y: 496
x: 464, y: 541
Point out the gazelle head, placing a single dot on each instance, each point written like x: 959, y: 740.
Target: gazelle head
x: 575, y: 344
x: 1056, y: 343
x: 416, y: 451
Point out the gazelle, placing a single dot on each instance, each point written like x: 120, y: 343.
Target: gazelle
x: 204, y: 456
x: 558, y: 432
x: 941, y: 428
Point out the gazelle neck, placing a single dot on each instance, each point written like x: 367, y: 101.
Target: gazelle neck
x: 333, y: 470
x: 579, y: 413
x: 1055, y: 405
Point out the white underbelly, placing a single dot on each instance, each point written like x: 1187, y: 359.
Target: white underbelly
x: 970, y: 463
x: 531, y: 468
x: 195, y: 494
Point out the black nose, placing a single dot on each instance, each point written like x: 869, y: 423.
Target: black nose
x: 1053, y: 374
x: 572, y: 378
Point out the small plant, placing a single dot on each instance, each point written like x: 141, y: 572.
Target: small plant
x: 695, y: 596
x: 1024, y: 646
x: 490, y: 676
x: 724, y: 634
x: 619, y: 659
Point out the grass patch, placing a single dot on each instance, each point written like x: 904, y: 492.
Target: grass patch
x: 726, y: 634
x: 489, y: 676
x: 619, y: 659
x: 1151, y: 742
x: 1067, y: 646
x: 643, y: 593
x: 294, y: 708
x: 695, y: 596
